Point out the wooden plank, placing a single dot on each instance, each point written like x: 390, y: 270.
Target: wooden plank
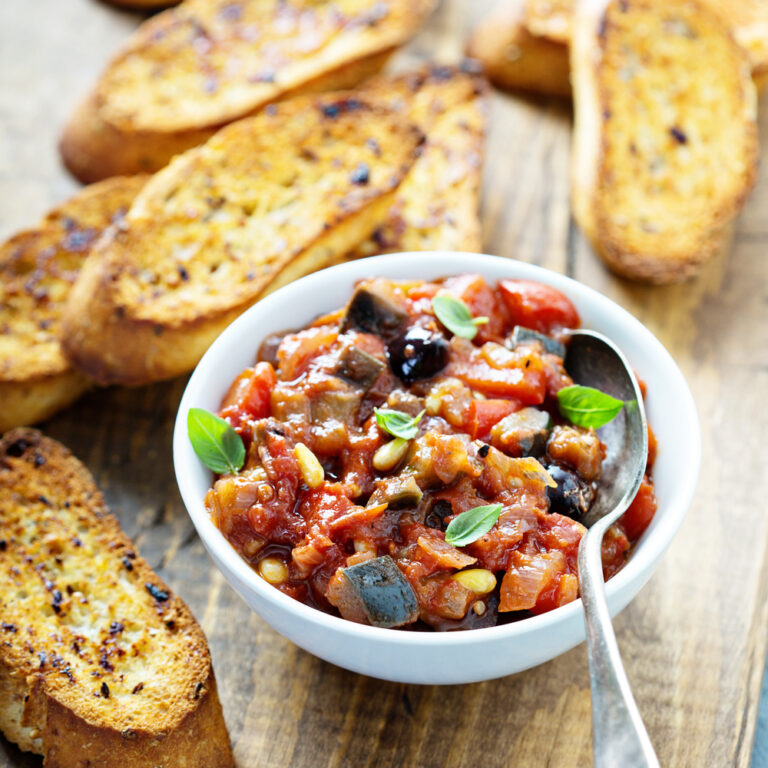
x: 694, y: 641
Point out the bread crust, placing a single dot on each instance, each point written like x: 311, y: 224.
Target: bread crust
x: 265, y: 201
x: 515, y: 57
x: 128, y: 681
x: 93, y: 149
x: 688, y: 226
x: 37, y: 269
x: 523, y: 44
x: 39, y: 398
x: 104, y: 136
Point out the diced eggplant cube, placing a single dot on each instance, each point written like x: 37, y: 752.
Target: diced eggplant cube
x: 359, y: 368
x: 521, y: 334
x: 337, y: 404
x: 385, y: 596
x: 374, y: 309
x: 398, y: 491
x: 523, y: 433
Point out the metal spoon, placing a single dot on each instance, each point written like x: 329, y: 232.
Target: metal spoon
x: 619, y: 736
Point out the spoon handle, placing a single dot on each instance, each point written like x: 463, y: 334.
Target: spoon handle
x: 619, y: 736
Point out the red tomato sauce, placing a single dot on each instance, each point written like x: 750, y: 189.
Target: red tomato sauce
x: 490, y: 433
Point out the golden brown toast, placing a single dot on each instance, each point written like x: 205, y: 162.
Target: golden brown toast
x: 523, y: 44
x: 437, y: 206
x: 37, y: 270
x: 189, y: 70
x: 665, y: 145
x: 100, y: 663
x: 266, y: 200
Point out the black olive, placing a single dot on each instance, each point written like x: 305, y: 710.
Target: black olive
x: 420, y: 354
x: 573, y: 495
x: 436, y: 516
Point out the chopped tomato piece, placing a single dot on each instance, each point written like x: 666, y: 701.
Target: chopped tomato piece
x: 563, y: 589
x: 653, y: 447
x: 563, y: 533
x: 485, y: 414
x: 249, y: 396
x: 538, y: 306
x: 297, y: 350
x: 614, y: 549
x: 496, y: 371
x: 527, y: 385
x: 482, y: 302
x: 641, y: 511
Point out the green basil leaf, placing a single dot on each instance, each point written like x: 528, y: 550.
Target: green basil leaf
x: 588, y: 407
x: 469, y: 526
x: 214, y: 441
x: 397, y: 423
x: 454, y: 314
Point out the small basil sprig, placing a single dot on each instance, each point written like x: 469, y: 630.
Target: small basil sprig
x: 397, y: 423
x: 469, y: 526
x: 454, y: 314
x: 587, y: 406
x: 214, y: 441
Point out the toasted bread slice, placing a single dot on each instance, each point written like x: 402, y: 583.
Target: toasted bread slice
x: 100, y: 664
x: 437, y: 206
x: 523, y: 45
x: 665, y: 144
x: 266, y: 200
x: 37, y: 270
x: 192, y: 69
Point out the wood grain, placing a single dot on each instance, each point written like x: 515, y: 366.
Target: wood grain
x: 694, y: 641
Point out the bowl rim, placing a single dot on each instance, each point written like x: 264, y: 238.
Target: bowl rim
x: 642, y: 560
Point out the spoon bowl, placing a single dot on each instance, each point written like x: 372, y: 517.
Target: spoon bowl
x: 593, y: 360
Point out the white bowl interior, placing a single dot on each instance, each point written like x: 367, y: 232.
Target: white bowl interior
x: 416, y: 656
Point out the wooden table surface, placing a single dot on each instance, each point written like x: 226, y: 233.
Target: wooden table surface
x: 694, y: 641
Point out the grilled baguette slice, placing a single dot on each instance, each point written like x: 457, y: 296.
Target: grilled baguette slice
x: 665, y: 143
x: 266, y: 200
x: 100, y: 664
x: 437, y: 206
x: 523, y: 44
x: 37, y: 270
x: 194, y: 68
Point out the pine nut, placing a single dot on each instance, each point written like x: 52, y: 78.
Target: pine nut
x: 432, y: 404
x: 273, y: 570
x: 479, y: 580
x: 311, y: 469
x: 390, y: 454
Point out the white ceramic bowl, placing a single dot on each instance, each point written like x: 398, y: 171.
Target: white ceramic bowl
x: 433, y: 657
